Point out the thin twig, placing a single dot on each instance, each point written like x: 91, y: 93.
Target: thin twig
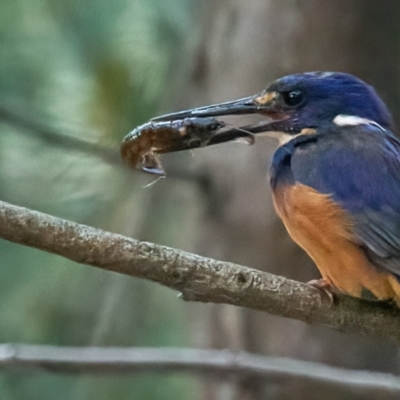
x: 197, y: 278
x: 221, y: 362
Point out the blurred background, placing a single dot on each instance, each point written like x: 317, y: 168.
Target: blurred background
x: 84, y: 71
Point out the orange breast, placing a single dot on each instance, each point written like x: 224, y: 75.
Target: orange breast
x: 324, y: 230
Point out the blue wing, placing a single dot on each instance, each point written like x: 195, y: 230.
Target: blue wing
x: 359, y: 166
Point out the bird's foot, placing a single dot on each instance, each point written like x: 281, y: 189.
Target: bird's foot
x: 324, y: 287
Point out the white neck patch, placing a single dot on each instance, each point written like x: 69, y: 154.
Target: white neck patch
x: 353, y: 120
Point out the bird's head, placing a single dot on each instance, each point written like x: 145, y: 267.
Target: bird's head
x: 301, y: 101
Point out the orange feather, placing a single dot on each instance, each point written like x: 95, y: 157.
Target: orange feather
x: 324, y: 230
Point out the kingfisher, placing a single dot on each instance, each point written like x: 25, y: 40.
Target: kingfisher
x: 335, y: 176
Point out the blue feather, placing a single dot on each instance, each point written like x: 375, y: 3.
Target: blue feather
x: 359, y: 167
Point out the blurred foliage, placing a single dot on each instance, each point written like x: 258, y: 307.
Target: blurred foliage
x: 94, y: 69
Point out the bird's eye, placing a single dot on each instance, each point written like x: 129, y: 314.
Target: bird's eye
x: 293, y: 97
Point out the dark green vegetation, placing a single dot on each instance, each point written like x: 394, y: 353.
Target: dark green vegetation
x: 93, y: 70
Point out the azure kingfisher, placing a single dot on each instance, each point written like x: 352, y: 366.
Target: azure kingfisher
x: 335, y: 177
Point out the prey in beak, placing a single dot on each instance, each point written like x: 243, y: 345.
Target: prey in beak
x: 200, y: 127
x: 267, y: 103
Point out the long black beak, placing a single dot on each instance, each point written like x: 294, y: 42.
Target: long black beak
x: 247, y: 105
x: 265, y: 103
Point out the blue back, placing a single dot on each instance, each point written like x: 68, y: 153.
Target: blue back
x: 359, y: 167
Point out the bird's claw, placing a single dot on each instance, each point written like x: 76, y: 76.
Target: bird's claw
x: 325, y: 288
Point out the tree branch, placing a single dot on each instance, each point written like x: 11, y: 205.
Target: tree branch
x: 222, y: 362
x: 197, y: 278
